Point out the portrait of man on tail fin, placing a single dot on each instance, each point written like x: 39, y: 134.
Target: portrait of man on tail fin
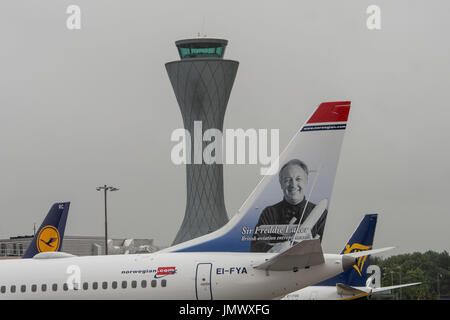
x: 293, y: 218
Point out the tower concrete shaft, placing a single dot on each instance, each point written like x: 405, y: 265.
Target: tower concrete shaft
x: 202, y: 82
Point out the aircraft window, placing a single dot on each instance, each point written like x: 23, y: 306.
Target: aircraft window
x: 33, y: 288
x: 95, y: 285
x: 105, y: 285
x: 85, y: 286
x: 65, y: 287
x: 134, y: 284
x: 153, y: 283
x: 124, y: 284
x: 3, y: 289
x: 13, y: 289
x: 54, y: 287
x: 144, y: 283
x: 163, y: 283
x: 114, y: 285
x: 23, y: 288
x: 44, y: 287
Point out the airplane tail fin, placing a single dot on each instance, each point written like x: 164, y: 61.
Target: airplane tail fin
x: 292, y: 203
x: 50, y: 234
x: 361, y: 240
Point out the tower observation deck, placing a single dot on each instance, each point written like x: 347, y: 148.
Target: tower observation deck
x: 202, y: 81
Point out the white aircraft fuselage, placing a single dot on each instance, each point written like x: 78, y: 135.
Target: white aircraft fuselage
x: 158, y: 276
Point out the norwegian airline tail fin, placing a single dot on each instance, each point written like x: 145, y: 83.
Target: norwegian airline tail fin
x: 291, y: 205
x: 50, y: 234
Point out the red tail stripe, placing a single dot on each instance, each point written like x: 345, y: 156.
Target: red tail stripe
x: 336, y: 111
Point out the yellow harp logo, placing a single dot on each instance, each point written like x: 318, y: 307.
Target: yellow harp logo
x: 356, y: 247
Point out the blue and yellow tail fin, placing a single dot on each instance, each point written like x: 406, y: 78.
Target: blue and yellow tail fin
x: 50, y: 235
x: 361, y: 240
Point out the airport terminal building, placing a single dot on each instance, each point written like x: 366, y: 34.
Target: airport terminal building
x: 15, y: 247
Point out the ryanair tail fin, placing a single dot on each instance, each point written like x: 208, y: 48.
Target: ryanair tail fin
x: 292, y: 204
x: 50, y: 234
x: 361, y: 240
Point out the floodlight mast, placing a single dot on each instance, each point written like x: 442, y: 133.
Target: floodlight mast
x: 105, y: 189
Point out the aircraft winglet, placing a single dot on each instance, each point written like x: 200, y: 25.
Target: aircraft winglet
x: 307, y: 253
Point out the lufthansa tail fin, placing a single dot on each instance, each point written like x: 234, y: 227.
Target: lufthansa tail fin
x: 292, y: 203
x: 361, y: 240
x: 50, y: 234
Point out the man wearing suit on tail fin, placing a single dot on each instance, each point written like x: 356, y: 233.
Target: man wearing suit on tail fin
x: 278, y: 223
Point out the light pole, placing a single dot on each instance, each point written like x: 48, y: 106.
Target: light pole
x: 105, y: 189
x: 438, y: 289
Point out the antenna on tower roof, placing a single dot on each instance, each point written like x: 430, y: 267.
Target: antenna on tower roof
x: 203, y: 27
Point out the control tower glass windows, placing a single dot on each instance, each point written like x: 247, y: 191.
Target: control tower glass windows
x: 201, y: 52
x: 201, y: 48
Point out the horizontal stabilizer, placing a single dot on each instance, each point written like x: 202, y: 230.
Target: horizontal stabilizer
x: 360, y: 254
x: 343, y: 289
x: 374, y: 290
x: 307, y: 253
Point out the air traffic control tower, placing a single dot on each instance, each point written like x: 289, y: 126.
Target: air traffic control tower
x: 202, y: 81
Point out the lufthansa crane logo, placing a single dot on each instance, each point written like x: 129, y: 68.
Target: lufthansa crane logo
x: 48, y: 239
x: 356, y: 247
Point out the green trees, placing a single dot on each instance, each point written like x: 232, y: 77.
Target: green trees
x: 431, y: 268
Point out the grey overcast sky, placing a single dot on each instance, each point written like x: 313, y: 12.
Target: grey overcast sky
x: 82, y: 108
